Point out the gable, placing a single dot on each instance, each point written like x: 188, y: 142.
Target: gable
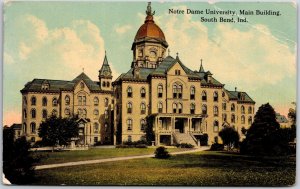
x: 176, y: 69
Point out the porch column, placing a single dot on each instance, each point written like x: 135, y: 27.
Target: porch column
x: 157, y: 132
x: 189, y: 125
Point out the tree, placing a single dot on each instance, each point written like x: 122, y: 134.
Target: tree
x: 265, y: 137
x: 17, y: 159
x: 150, y: 136
x: 58, y: 131
x: 230, y: 137
x: 292, y: 115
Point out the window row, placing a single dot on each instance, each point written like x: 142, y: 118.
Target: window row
x: 33, y: 101
x: 142, y: 92
x: 142, y: 124
x: 44, y: 113
x: 250, y: 109
x: 233, y: 119
x: 142, y: 108
x: 96, y: 127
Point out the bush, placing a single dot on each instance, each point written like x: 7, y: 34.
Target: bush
x: 217, y: 147
x: 141, y: 146
x: 203, y: 139
x: 161, y: 153
x: 185, y: 145
x: 124, y: 146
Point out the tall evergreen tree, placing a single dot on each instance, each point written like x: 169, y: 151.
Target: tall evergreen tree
x: 265, y: 137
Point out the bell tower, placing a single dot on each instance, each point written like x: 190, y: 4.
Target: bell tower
x: 105, y: 75
x: 149, y: 46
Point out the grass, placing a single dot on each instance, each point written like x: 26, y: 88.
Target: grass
x: 94, y: 153
x: 197, y: 169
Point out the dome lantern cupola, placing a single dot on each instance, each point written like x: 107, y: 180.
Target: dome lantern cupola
x: 149, y: 44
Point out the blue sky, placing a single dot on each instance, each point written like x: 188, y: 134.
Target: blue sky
x: 56, y: 40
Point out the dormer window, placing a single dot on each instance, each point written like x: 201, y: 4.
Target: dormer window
x: 177, y: 72
x: 45, y: 85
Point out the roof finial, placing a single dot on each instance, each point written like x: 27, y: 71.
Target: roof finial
x: 149, y: 11
x: 177, y: 57
x: 235, y: 89
x: 82, y: 69
x: 169, y: 52
x: 201, y: 67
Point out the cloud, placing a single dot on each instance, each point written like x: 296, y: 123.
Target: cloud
x: 247, y: 59
x: 123, y: 29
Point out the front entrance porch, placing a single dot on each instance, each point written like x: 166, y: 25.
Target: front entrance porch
x: 167, y: 125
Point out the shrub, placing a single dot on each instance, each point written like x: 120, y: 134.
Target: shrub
x: 217, y: 147
x: 203, y: 139
x: 161, y: 153
x: 141, y: 146
x: 123, y: 146
x: 185, y: 145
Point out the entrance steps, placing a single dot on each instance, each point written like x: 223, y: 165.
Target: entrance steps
x: 184, y: 138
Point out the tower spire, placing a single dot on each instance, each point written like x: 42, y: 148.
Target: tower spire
x: 201, y: 67
x: 105, y: 70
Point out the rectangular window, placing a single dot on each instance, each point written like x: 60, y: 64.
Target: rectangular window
x: 192, y: 97
x: 159, y: 95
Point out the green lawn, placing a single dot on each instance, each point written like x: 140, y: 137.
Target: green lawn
x: 95, y: 153
x: 200, y: 169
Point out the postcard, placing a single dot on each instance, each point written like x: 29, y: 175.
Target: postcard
x: 149, y: 93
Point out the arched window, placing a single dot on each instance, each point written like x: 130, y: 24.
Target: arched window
x: 242, y: 109
x: 192, y: 108
x: 96, y: 112
x: 54, y: 112
x: 54, y: 102
x: 174, y: 108
x: 129, y: 107
x: 32, y: 127
x: 250, y: 120
x: 224, y: 106
x: 160, y: 91
x: 179, y: 89
x: 160, y: 107
x: 44, y: 114
x: 129, y: 124
x: 33, y: 101
x: 232, y: 118
x: 84, y: 113
x: 79, y: 112
x: 224, y: 117
x: 179, y: 108
x: 96, y: 101
x: 129, y: 92
x: 44, y: 101
x: 67, y: 100
x: 223, y: 94
x: 67, y: 112
x: 216, y: 126
x: 216, y: 96
x: 143, y: 124
x: 249, y: 110
x: 192, y: 95
x: 232, y: 107
x: 204, y: 109
x: 243, y: 119
x: 24, y: 128
x: 106, y: 102
x: 24, y: 113
x: 107, y: 84
x: 129, y: 138
x: 174, y: 91
x: 143, y: 108
x: 204, y: 96
x: 24, y: 100
x: 82, y: 85
x: 33, y: 113
x: 103, y: 84
x: 216, y: 111
x: 143, y: 92
x: 96, y: 127
x: 106, y: 114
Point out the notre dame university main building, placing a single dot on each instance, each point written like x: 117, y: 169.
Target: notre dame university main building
x: 157, y: 91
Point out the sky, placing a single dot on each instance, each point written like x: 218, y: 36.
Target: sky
x: 58, y: 40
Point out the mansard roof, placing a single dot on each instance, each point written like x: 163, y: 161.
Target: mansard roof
x: 162, y: 69
x: 56, y: 86
x: 237, y: 95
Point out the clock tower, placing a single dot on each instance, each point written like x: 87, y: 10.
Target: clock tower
x: 149, y: 46
x: 105, y: 75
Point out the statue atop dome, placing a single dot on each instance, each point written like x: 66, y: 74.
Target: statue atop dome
x: 149, y: 11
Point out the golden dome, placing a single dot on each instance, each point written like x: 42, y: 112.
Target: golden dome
x: 149, y: 29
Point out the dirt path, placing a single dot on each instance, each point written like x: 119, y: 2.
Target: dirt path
x: 39, y: 167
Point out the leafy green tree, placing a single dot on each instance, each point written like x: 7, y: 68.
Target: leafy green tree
x: 17, y: 159
x: 292, y: 115
x: 230, y: 137
x: 265, y: 137
x: 58, y: 131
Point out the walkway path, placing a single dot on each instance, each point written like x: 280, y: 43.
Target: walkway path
x: 39, y: 167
